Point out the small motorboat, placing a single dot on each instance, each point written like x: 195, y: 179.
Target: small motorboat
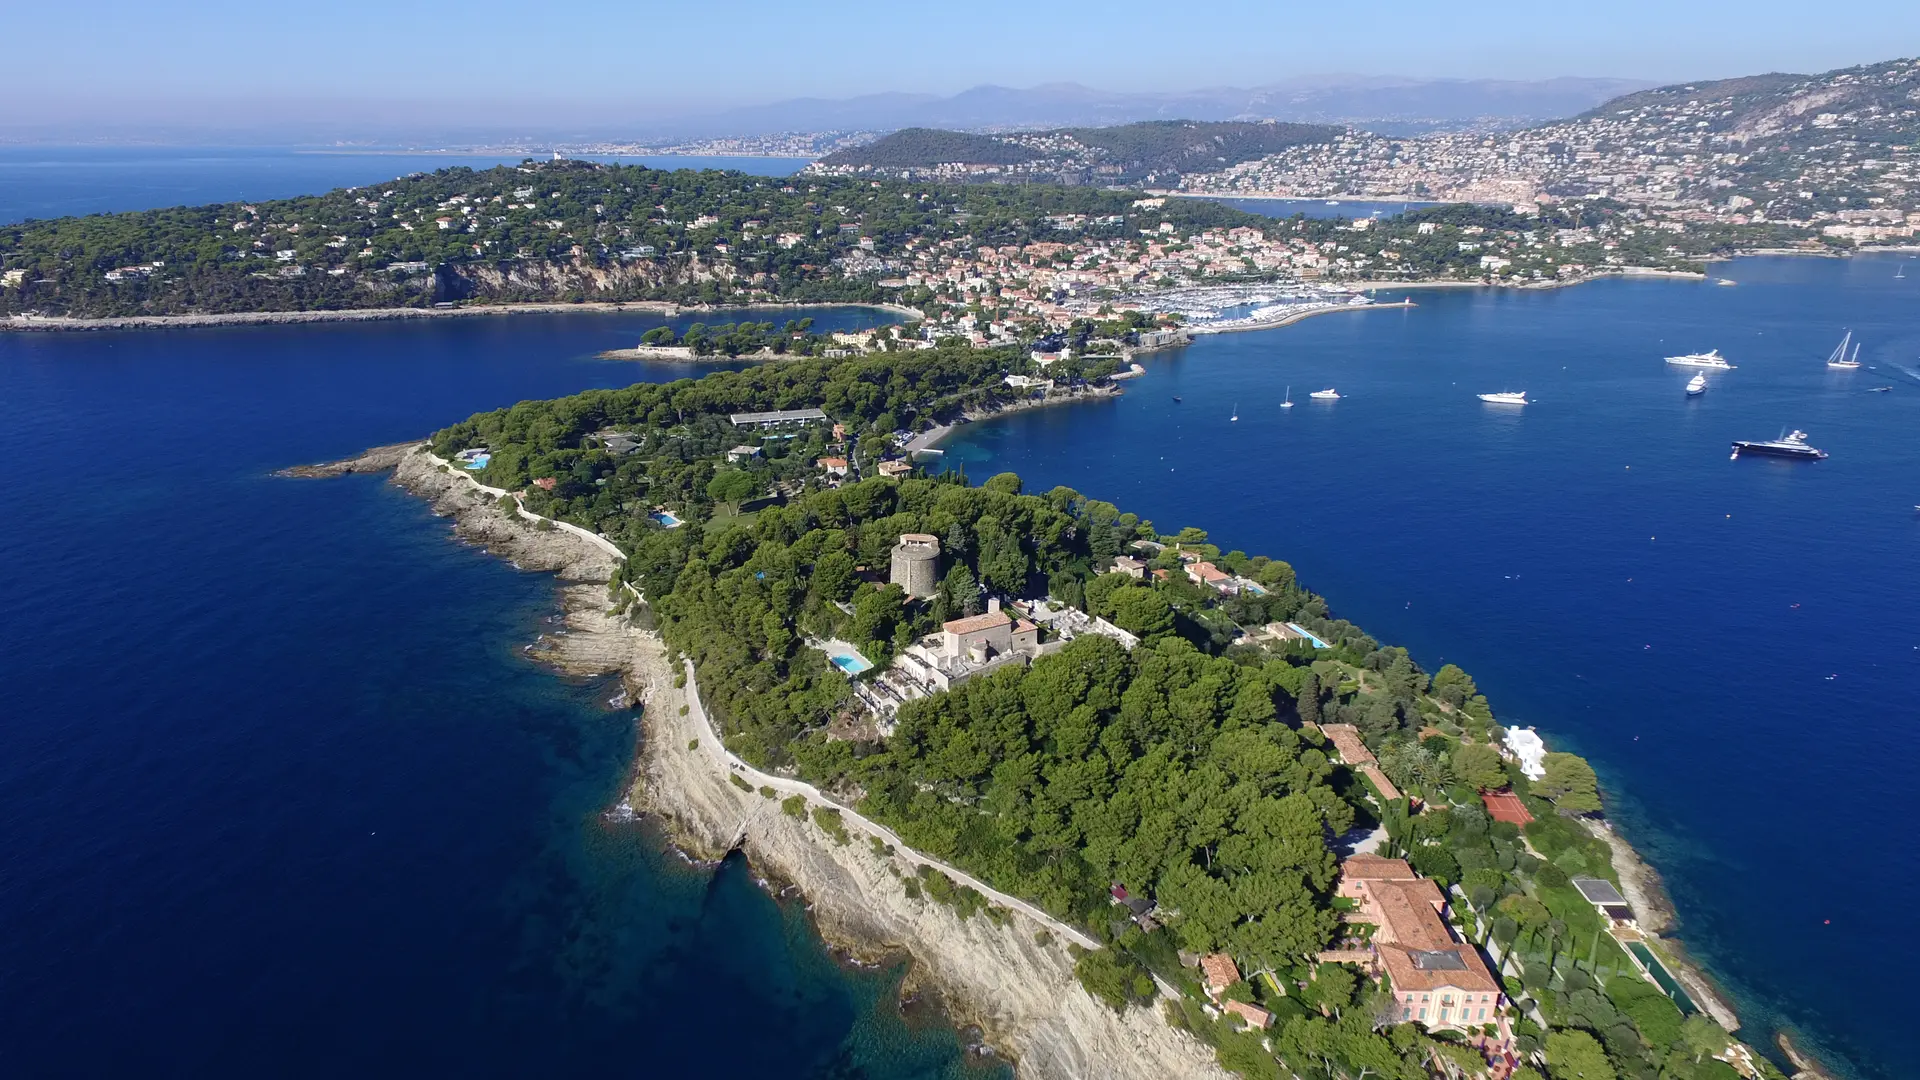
x: 1880, y: 390
x: 1696, y: 386
x: 1329, y: 394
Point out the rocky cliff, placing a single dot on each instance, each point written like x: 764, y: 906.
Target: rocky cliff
x: 1014, y: 982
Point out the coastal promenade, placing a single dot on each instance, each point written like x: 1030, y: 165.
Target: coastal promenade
x: 728, y: 762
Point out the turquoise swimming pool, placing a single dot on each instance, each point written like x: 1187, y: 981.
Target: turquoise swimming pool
x: 667, y: 519
x: 479, y: 461
x: 1308, y: 635
x: 1660, y: 975
x: 843, y: 656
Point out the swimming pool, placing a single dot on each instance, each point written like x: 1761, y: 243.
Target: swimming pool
x: 852, y: 665
x: 842, y: 655
x: 1304, y: 633
x: 1660, y: 975
x: 667, y: 519
x: 479, y: 461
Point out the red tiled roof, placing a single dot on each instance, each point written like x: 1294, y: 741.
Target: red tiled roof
x: 1407, y: 914
x: 1254, y: 1015
x: 976, y: 623
x: 1220, y: 970
x: 1380, y: 781
x: 1413, y: 970
x: 1346, y: 739
x: 1370, y: 867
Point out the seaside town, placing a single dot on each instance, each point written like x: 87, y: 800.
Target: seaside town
x: 1829, y: 157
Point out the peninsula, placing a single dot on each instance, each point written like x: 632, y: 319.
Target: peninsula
x: 1038, y: 741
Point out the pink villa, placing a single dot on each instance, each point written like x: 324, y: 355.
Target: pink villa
x: 1441, y: 983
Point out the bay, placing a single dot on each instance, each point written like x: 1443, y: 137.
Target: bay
x: 283, y: 797
x: 1732, y: 643
x: 57, y: 181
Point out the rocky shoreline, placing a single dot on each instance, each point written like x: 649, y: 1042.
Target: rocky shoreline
x: 1655, y: 913
x: 1014, y: 984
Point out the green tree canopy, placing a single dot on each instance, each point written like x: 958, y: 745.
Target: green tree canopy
x: 1576, y: 1055
x: 1570, y: 783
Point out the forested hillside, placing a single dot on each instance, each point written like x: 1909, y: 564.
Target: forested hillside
x: 564, y: 230
x: 1124, y: 153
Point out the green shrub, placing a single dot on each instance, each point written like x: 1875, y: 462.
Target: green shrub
x: 831, y: 823
x: 734, y: 779
x: 1114, y: 978
x: 693, y: 744
x: 794, y: 807
x: 767, y: 792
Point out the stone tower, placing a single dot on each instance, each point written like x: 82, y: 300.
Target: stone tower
x: 916, y: 564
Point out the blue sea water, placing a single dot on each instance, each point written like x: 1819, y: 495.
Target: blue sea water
x: 1733, y: 643
x: 56, y: 181
x: 283, y: 797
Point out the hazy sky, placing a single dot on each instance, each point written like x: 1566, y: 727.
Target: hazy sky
x: 138, y: 55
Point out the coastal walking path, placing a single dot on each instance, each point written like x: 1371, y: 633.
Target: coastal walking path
x: 727, y: 761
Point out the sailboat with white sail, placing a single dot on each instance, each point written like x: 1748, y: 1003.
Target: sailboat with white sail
x: 1287, y: 402
x: 1236, y: 413
x: 1840, y: 360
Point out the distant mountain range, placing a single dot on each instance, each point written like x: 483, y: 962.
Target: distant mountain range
x: 1382, y: 103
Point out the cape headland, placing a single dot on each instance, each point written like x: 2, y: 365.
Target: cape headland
x: 1055, y: 977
